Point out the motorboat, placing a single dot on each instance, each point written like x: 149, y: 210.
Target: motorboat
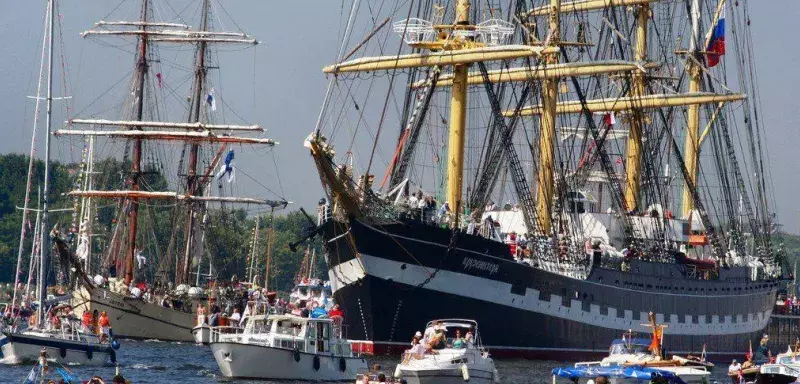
x: 616, y: 375
x: 459, y: 360
x: 630, y: 351
x: 286, y: 347
x: 67, y: 344
x: 785, y: 369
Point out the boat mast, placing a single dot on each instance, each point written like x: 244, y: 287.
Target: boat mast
x: 43, y: 231
x: 633, y: 165
x: 270, y: 235
x: 547, y: 136
x: 29, y: 181
x: 194, y: 117
x: 458, y: 114
x: 137, y: 147
x: 692, y: 144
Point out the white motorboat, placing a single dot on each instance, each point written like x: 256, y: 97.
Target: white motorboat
x: 285, y: 347
x: 453, y: 364
x: 786, y: 368
x: 67, y: 345
x: 636, y: 352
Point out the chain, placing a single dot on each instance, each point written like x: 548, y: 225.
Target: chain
x: 394, y: 326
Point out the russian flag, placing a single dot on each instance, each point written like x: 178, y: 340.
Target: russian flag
x: 716, y: 45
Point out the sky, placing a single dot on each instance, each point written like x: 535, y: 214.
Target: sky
x: 280, y: 84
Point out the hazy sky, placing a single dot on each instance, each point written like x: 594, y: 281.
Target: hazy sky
x: 300, y: 37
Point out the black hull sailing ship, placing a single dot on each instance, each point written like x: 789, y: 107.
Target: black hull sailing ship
x: 382, y: 280
x: 578, y: 106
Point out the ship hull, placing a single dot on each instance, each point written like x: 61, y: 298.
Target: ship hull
x: 134, y: 318
x: 403, y: 276
x: 20, y: 348
x: 247, y: 361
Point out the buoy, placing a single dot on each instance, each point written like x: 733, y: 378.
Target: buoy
x: 296, y: 355
x: 115, y: 344
x: 316, y: 362
x: 465, y: 372
x: 89, y: 354
x: 62, y: 352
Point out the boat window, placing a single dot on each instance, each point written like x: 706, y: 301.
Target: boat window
x: 261, y: 326
x: 627, y: 348
x: 287, y: 327
x: 788, y: 359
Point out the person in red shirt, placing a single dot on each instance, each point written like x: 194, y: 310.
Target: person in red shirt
x: 87, y: 321
x: 335, y: 312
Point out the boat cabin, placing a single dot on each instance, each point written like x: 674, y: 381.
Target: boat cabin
x: 317, y: 336
x: 629, y: 347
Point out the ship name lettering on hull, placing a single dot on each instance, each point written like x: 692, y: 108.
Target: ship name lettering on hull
x: 484, y: 266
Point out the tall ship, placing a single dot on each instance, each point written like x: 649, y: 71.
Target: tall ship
x: 173, y: 174
x: 556, y: 169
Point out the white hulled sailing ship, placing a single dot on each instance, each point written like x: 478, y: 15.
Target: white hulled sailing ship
x: 207, y: 154
x: 579, y: 107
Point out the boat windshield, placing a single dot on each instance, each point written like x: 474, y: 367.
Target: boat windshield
x: 789, y: 359
x: 628, y: 348
x: 288, y: 327
x: 261, y: 326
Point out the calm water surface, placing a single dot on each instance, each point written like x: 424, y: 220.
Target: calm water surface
x: 161, y: 362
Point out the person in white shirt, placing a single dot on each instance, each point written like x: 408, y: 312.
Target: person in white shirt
x: 429, y: 332
x: 235, y: 316
x: 735, y: 366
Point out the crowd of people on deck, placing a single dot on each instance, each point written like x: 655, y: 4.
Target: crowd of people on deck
x: 789, y: 306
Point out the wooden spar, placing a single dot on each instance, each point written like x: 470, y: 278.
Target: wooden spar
x: 547, y: 135
x: 133, y: 214
x: 691, y: 146
x: 209, y: 137
x: 629, y: 103
x: 140, y: 24
x: 457, y: 129
x: 163, y: 124
x: 442, y: 58
x: 168, y: 195
x: 588, y: 5
x: 542, y: 72
x: 213, y: 164
x: 633, y: 165
x: 204, y: 40
x: 710, y: 124
x: 166, y: 33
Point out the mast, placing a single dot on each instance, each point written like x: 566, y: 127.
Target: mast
x: 547, y: 136
x: 251, y: 267
x: 458, y: 115
x: 133, y: 215
x: 633, y: 165
x: 43, y: 231
x: 692, y: 144
x: 270, y: 235
x: 191, y: 184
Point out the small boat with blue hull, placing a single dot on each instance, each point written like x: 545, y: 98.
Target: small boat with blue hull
x: 616, y: 375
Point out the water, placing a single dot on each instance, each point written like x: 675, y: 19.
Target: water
x: 162, y: 362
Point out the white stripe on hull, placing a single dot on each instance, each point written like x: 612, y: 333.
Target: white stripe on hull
x: 18, y: 353
x: 134, y: 318
x: 247, y: 361
x: 446, y: 376
x: 498, y: 292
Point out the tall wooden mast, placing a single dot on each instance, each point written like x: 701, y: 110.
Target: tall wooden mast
x: 136, y: 170
x: 458, y: 115
x: 547, y: 136
x: 192, y: 184
x: 691, y: 146
x: 633, y: 165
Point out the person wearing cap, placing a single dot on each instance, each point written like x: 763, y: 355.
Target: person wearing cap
x: 417, y: 336
x: 734, y: 367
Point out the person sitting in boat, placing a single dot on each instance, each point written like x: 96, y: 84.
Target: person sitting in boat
x: 105, y: 325
x: 734, y: 367
x: 469, y: 338
x: 201, y: 314
x: 458, y: 341
x: 439, y: 340
x: 429, y: 332
x: 318, y: 313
